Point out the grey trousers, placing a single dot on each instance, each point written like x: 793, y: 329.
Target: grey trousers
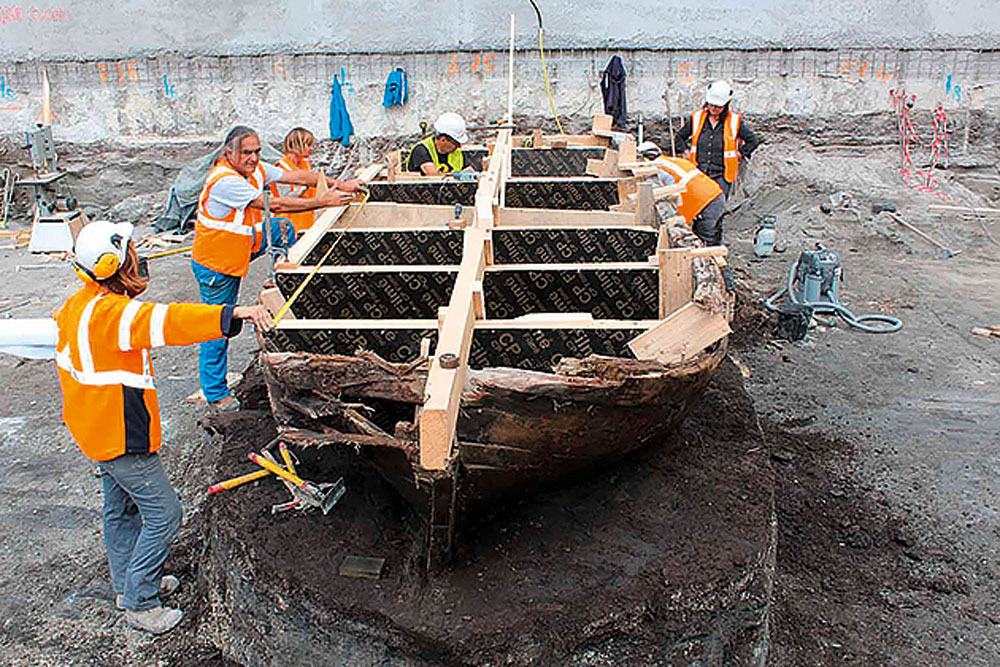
x: 141, y: 517
x: 708, y: 224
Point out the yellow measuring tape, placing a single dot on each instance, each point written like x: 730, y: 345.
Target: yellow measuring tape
x: 298, y: 290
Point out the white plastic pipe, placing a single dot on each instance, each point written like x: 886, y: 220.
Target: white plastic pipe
x: 31, y: 338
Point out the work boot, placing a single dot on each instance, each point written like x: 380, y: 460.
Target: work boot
x: 227, y: 404
x: 168, y: 584
x: 156, y: 620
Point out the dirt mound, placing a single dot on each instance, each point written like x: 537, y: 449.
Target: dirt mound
x: 668, y: 553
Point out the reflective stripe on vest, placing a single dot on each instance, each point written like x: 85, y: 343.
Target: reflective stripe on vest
x: 699, y: 191
x: 224, y: 244
x: 456, y: 161
x: 730, y: 141
x: 87, y: 374
x: 286, y: 165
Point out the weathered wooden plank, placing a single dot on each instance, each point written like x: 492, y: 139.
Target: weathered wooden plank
x: 681, y: 335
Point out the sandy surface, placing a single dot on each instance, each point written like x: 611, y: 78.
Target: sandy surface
x: 884, y: 447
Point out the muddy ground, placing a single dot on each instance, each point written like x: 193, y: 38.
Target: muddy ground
x: 883, y: 447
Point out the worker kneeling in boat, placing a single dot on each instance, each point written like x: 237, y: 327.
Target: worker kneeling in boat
x: 111, y: 408
x: 440, y: 153
x: 702, y: 202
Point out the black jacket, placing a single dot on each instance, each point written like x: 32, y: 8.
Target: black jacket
x: 613, y: 91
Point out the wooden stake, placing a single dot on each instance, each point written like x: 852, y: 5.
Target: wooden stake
x: 46, y: 100
x: 676, y: 279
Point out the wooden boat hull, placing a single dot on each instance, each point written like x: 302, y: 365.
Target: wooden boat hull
x: 519, y: 432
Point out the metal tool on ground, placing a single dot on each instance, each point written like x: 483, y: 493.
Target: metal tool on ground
x: 883, y: 207
x: 988, y: 332
x: 814, y: 287
x: 949, y: 252
x: 237, y: 481
x: 297, y: 502
x: 323, y: 495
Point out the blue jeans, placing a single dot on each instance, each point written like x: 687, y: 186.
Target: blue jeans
x: 219, y: 288
x: 142, y: 515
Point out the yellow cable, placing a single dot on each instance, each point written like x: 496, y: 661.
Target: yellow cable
x: 298, y: 290
x: 548, y: 89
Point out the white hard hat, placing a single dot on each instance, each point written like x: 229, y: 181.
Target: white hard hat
x: 719, y: 93
x: 101, y: 247
x: 453, y: 125
x: 648, y: 148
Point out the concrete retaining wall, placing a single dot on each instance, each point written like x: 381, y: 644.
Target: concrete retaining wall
x: 171, y: 97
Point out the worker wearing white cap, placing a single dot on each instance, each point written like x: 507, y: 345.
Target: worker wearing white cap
x: 441, y: 152
x: 111, y: 408
x: 702, y: 204
x: 718, y: 137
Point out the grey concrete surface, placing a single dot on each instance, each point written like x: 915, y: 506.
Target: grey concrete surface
x: 138, y: 100
x: 89, y: 29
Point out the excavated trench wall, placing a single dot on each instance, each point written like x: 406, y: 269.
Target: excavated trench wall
x: 138, y: 89
x: 183, y: 71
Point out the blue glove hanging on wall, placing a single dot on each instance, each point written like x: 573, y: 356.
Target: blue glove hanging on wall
x: 396, y: 89
x: 341, y: 128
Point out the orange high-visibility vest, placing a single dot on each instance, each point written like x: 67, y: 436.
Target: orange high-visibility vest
x: 302, y: 220
x: 700, y: 189
x: 730, y: 145
x: 105, y: 370
x: 224, y: 244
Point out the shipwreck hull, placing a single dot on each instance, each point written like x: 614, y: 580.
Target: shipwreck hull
x: 495, y: 355
x: 519, y: 432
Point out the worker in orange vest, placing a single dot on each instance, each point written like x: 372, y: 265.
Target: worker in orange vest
x: 110, y: 406
x: 298, y: 147
x: 717, y: 136
x: 229, y: 233
x: 702, y: 203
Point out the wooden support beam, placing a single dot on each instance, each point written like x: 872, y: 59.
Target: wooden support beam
x: 668, y: 190
x: 681, y: 335
x: 662, y: 241
x: 444, y: 385
x: 394, y: 162
x: 602, y: 122
x: 390, y: 215
x: 536, y: 138
x: 710, y: 251
x: 676, y: 279
x: 538, y: 217
x: 627, y: 150
x: 443, y: 396
x: 645, y: 210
